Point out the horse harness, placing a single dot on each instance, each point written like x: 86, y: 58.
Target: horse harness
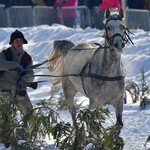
x: 82, y: 74
x: 126, y: 38
x: 110, y: 40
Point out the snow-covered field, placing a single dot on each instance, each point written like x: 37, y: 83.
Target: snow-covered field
x: 136, y: 127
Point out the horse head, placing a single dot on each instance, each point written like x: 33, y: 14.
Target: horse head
x: 115, y: 33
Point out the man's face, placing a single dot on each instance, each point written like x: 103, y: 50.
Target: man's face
x: 17, y: 43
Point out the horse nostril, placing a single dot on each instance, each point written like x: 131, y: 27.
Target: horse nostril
x: 123, y: 44
x: 116, y: 45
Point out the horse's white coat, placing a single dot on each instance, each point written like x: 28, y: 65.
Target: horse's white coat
x: 103, y: 61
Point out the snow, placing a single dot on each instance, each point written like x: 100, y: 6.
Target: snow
x: 136, y: 127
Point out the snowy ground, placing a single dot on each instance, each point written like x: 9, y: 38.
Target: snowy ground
x: 136, y: 122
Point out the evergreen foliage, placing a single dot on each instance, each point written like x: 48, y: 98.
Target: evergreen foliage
x: 28, y: 132
x: 8, y: 122
x: 89, y: 128
x: 133, y: 89
x: 145, y: 91
x: 138, y: 91
x: 112, y: 140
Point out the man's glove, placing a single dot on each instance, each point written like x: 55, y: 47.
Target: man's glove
x: 22, y: 82
x: 22, y: 86
x: 19, y: 67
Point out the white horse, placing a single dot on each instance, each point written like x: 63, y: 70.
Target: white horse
x: 93, y: 70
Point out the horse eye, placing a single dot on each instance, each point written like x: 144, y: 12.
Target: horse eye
x: 121, y: 27
x: 108, y: 28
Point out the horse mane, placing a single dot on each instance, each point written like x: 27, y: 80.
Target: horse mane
x: 56, y: 60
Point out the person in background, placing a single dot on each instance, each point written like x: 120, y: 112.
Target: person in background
x: 26, y: 3
x: 135, y: 4
x: 96, y: 13
x: 2, y: 2
x: 49, y: 2
x: 68, y: 14
x: 147, y: 4
x: 13, y: 79
x: 109, y: 4
x: 44, y: 2
x: 82, y: 2
x: 93, y: 3
x: 38, y: 2
x: 9, y: 3
x: 83, y: 14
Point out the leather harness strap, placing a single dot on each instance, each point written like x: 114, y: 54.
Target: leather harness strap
x: 82, y: 74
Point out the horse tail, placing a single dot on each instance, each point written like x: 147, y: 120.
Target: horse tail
x: 56, y: 60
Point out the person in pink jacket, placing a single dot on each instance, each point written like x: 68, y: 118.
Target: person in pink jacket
x: 66, y: 3
x: 110, y: 4
x: 67, y: 14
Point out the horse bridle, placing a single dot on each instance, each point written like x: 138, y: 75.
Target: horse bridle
x: 126, y: 39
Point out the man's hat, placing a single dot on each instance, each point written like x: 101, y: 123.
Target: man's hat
x: 17, y: 34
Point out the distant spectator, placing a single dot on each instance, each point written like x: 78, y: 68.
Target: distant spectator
x: 93, y: 3
x: 82, y: 2
x: 9, y: 3
x: 84, y: 19
x: 135, y: 4
x: 68, y: 14
x: 44, y: 2
x: 49, y: 2
x: 147, y: 4
x: 96, y: 15
x: 90, y: 4
x: 2, y: 2
x: 110, y: 4
x: 38, y: 2
x: 66, y: 3
x: 26, y: 3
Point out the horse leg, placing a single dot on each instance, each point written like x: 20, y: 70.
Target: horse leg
x: 69, y: 93
x: 119, y: 109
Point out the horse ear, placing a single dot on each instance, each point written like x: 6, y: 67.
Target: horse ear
x: 121, y: 13
x: 107, y: 13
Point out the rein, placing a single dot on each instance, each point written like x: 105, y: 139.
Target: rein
x: 91, y: 75
x: 82, y: 74
x: 126, y: 39
x: 105, y: 78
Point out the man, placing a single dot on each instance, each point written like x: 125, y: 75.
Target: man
x: 109, y: 4
x: 68, y: 15
x: 147, y: 4
x: 14, y: 64
x: 135, y: 4
x: 9, y: 3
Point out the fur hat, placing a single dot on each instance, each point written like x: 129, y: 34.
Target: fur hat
x: 17, y: 34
